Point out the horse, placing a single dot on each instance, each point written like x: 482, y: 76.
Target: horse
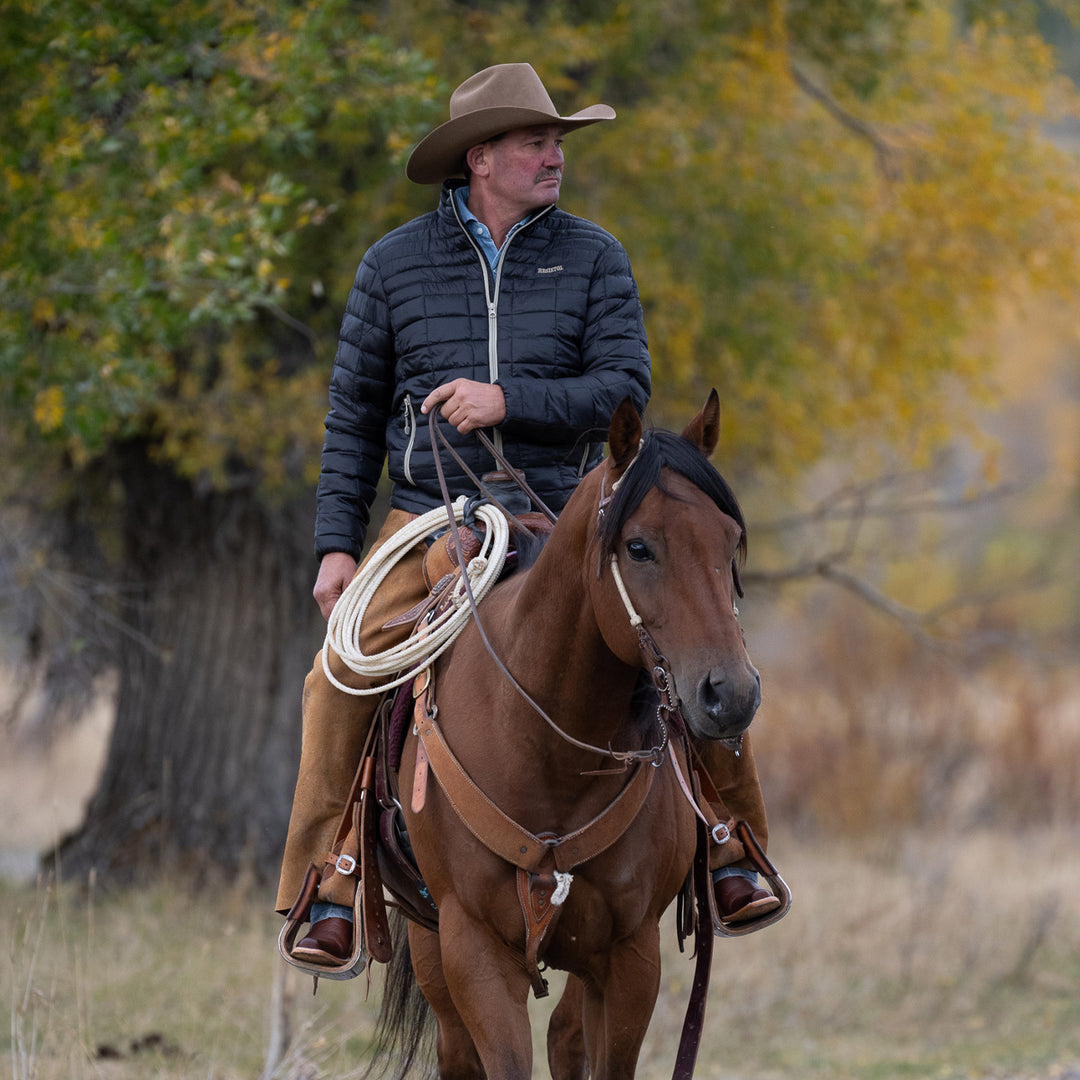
x: 535, y: 702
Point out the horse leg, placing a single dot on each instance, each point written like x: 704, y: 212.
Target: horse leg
x: 620, y: 1003
x: 490, y: 988
x: 567, y: 1059
x: 458, y: 1059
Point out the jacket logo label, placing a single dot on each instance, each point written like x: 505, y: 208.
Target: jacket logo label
x: 548, y: 269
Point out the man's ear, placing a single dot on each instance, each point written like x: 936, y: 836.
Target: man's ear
x: 477, y: 160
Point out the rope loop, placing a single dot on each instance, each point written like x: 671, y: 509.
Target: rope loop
x: 398, y: 664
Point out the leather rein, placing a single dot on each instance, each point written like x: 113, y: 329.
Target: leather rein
x: 655, y: 662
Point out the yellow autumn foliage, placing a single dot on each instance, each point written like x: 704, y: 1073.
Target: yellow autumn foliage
x: 819, y: 223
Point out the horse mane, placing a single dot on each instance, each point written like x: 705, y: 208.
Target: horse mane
x: 662, y: 449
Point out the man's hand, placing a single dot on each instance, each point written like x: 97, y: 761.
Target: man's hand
x: 467, y: 404
x: 335, y: 572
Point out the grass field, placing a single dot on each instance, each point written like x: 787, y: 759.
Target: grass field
x: 915, y: 956
x: 926, y: 817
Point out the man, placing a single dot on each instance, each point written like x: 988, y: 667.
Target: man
x: 504, y: 313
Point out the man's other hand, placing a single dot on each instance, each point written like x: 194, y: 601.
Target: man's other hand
x: 467, y: 404
x: 335, y: 572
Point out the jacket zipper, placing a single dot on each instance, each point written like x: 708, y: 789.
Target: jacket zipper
x: 491, y: 297
x: 409, y: 423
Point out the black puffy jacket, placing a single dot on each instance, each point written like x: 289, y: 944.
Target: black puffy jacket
x: 559, y: 328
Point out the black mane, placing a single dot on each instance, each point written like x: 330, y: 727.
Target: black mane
x: 664, y: 449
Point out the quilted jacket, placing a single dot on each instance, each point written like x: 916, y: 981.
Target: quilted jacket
x: 559, y: 327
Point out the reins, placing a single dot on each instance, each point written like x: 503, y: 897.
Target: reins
x: 500, y: 460
x: 656, y: 754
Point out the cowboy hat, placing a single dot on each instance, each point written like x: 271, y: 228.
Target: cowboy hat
x: 486, y: 104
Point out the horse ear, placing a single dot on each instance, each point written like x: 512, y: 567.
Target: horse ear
x: 624, y: 435
x: 704, y: 430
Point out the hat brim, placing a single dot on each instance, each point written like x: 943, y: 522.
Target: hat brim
x: 441, y: 154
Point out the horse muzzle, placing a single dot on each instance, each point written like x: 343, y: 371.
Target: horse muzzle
x: 726, y: 702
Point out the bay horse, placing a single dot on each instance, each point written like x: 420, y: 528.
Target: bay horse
x: 652, y: 534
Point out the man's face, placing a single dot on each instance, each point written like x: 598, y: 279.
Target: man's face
x: 525, y: 167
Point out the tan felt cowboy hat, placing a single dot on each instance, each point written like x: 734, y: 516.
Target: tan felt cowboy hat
x: 486, y: 104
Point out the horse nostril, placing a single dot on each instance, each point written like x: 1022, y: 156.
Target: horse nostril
x: 720, y: 695
x: 714, y: 693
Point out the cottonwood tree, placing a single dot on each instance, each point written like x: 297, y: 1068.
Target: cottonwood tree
x: 187, y: 186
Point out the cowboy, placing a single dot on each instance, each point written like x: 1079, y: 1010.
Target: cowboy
x: 505, y: 313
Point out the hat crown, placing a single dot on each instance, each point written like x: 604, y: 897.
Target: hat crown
x: 493, y: 101
x: 502, y: 86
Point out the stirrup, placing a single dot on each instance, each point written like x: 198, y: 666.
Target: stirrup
x: 777, y: 886
x: 348, y: 968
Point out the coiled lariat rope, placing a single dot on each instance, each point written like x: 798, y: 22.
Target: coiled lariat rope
x: 401, y: 662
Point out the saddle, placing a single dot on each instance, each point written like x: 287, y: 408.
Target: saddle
x: 372, y: 845
x: 371, y: 842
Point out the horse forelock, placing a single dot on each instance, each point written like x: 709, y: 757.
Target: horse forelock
x: 665, y: 450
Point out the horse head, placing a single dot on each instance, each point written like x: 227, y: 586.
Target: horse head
x: 670, y: 540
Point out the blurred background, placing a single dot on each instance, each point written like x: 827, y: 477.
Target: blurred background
x: 859, y: 220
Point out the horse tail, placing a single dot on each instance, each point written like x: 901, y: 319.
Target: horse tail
x: 404, y: 1030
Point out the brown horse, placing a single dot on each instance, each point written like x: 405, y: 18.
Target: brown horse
x: 657, y: 517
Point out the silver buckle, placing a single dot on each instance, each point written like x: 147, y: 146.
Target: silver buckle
x: 721, y: 837
x: 345, y: 864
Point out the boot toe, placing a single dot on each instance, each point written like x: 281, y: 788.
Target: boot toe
x: 329, y: 941
x: 739, y: 900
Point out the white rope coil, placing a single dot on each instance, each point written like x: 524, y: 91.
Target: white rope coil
x: 401, y: 662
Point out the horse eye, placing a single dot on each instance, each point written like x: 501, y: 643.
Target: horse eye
x: 638, y: 550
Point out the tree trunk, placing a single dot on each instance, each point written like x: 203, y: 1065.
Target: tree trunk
x: 204, y: 752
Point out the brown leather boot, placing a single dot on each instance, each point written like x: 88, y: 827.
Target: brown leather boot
x: 329, y: 941
x: 739, y: 900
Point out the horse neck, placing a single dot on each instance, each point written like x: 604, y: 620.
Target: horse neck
x: 557, y: 639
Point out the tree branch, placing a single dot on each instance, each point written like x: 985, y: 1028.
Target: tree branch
x: 293, y: 323
x: 853, y: 502
x: 851, y: 507
x: 888, y: 156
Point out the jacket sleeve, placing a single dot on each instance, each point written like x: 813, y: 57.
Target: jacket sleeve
x: 615, y: 363
x: 361, y: 392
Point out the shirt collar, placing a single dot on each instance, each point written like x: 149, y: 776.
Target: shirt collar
x: 479, y: 230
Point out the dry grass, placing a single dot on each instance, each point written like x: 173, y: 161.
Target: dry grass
x: 927, y: 818
x: 913, y: 956
x: 863, y: 733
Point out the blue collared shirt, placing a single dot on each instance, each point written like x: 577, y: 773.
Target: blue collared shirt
x: 479, y: 231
